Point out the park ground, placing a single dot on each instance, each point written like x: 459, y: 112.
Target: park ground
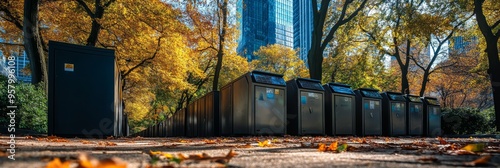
x: 255, y: 151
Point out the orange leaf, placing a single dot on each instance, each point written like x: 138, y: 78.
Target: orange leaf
x: 322, y: 147
x: 333, y: 146
x: 480, y: 161
x: 442, y: 141
x: 56, y: 163
x: 111, y: 163
x: 231, y: 154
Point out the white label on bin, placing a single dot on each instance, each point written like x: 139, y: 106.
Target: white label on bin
x: 69, y: 67
x: 372, y: 104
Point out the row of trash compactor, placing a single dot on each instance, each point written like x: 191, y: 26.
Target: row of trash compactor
x: 262, y: 103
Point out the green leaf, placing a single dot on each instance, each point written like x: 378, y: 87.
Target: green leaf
x: 342, y: 148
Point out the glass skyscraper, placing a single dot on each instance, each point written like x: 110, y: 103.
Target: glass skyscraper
x: 264, y: 22
x: 302, y: 27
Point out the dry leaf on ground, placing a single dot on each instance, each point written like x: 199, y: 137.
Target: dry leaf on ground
x: 266, y: 143
x: 484, y: 160
x: 56, y: 163
x: 474, y: 147
x: 442, y: 141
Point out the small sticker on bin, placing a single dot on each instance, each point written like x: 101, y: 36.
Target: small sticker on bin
x: 69, y: 67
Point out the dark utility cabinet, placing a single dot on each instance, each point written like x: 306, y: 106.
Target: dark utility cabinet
x: 393, y: 114
x: 432, y: 114
x: 415, y: 115
x: 84, y: 96
x: 305, y: 99
x: 368, y: 112
x: 254, y: 104
x: 340, y: 113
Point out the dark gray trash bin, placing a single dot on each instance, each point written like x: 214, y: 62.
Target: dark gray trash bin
x: 340, y: 113
x: 415, y: 115
x: 393, y: 114
x: 305, y: 99
x: 368, y: 112
x: 432, y: 117
x: 84, y: 94
x: 254, y: 104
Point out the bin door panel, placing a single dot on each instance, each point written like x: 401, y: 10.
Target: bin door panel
x: 344, y: 114
x: 372, y: 116
x: 311, y: 113
x: 434, y: 120
x: 416, y: 119
x: 269, y: 110
x: 71, y: 116
x: 398, y: 118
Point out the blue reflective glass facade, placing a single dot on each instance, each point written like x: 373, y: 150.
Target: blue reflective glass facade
x: 264, y: 22
x: 302, y: 27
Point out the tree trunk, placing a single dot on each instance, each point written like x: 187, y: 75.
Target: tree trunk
x: 96, y: 26
x: 424, y: 83
x: 494, y: 73
x: 493, y: 60
x: 220, y: 52
x: 33, y: 44
x: 315, y: 56
x: 405, y: 85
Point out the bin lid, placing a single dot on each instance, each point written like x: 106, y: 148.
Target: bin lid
x: 413, y: 98
x: 395, y: 96
x: 309, y: 84
x: 431, y: 100
x: 367, y: 92
x: 341, y: 88
x: 267, y: 78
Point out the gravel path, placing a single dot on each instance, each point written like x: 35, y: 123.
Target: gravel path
x: 285, y: 151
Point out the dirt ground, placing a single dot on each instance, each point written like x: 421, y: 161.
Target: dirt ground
x: 256, y: 151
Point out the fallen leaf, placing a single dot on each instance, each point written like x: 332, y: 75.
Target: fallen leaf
x: 342, y: 148
x: 266, y: 143
x: 480, y: 161
x: 333, y: 146
x: 56, y: 163
x: 474, y: 147
x: 209, y: 141
x: 85, y: 142
x: 428, y: 159
x: 29, y: 137
x: 113, y: 162
x: 442, y: 141
x: 387, y: 139
x: 322, y: 147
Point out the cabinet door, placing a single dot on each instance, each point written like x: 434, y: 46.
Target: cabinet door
x: 269, y: 110
x: 344, y: 114
x: 373, y: 117
x: 311, y: 113
x: 434, y: 121
x: 398, y: 118
x: 416, y: 119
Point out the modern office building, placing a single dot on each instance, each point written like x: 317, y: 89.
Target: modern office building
x: 264, y: 22
x: 302, y: 27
